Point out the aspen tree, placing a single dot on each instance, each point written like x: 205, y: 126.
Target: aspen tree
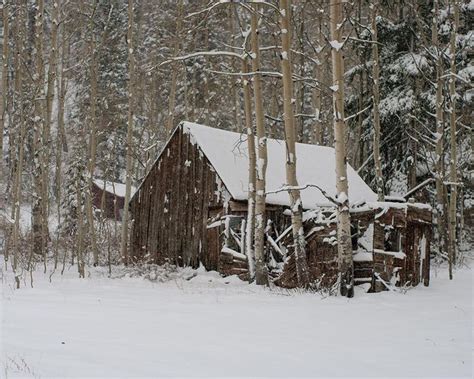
x: 376, y: 101
x: 19, y: 119
x: 128, y: 182
x: 80, y: 232
x: 290, y: 137
x: 234, y: 87
x: 250, y: 227
x: 52, y: 71
x: 452, y: 123
x: 261, y: 274
x: 316, y: 94
x: 61, y: 143
x: 439, y: 167
x: 344, y: 245
x: 174, y: 74
x: 40, y: 202
x: 4, y: 81
x: 93, y: 68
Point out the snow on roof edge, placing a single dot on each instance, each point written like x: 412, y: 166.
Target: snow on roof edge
x: 362, y: 189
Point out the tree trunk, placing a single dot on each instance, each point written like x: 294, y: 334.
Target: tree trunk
x: 296, y: 205
x: 19, y: 121
x: 439, y: 174
x: 128, y: 182
x: 80, y: 233
x: 376, y: 101
x: 174, y: 75
x: 40, y: 206
x: 261, y: 274
x: 452, y: 122
x: 92, y: 149
x: 4, y: 81
x: 344, y: 246
x: 250, y: 226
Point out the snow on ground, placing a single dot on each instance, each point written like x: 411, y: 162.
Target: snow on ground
x: 209, y: 326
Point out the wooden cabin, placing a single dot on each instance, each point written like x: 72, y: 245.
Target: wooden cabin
x: 108, y: 198
x: 191, y: 209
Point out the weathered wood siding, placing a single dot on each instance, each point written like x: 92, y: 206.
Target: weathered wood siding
x: 170, y: 211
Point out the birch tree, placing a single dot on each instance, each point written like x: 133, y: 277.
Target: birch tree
x: 344, y: 246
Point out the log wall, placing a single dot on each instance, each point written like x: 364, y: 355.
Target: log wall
x: 170, y: 211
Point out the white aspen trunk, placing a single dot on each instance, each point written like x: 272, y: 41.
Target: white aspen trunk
x: 439, y: 171
x: 453, y: 147
x: 344, y: 245
x: 92, y: 149
x: 207, y: 111
x: 296, y: 205
x: 316, y: 95
x: 60, y: 136
x: 250, y: 225
x: 19, y: 119
x: 174, y: 75
x: 128, y: 182
x: 40, y: 202
x: 234, y: 86
x: 376, y: 102
x: 355, y: 157
x: 80, y: 233
x: 261, y: 275
x: 4, y: 81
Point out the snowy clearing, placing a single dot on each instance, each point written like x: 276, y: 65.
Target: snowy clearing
x: 209, y: 326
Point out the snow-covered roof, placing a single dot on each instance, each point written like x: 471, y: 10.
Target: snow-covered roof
x: 227, y: 152
x: 115, y: 188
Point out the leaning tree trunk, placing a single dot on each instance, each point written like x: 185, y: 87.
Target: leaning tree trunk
x: 453, y: 162
x: 261, y: 274
x: 376, y: 101
x: 344, y: 245
x: 249, y: 234
x: 128, y: 182
x: 296, y: 205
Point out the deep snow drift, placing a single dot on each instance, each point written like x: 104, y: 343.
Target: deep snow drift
x: 209, y: 326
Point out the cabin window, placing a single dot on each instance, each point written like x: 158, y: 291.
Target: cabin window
x: 233, y: 232
x: 392, y: 239
x: 355, y: 236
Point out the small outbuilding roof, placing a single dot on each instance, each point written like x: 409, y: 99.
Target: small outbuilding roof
x: 228, y: 154
x: 111, y: 187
